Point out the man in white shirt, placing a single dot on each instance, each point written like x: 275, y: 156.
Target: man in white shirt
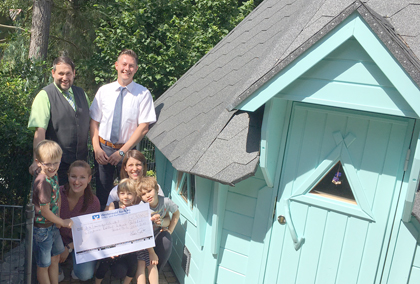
x: 137, y: 111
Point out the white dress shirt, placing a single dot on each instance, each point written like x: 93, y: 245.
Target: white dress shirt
x: 137, y: 108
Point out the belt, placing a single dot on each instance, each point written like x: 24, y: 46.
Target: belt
x: 109, y: 144
x: 41, y: 225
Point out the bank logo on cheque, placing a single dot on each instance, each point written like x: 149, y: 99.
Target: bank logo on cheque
x: 96, y: 217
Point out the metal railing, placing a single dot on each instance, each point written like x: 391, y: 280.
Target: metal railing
x: 148, y: 149
x: 16, y: 244
x: 16, y: 232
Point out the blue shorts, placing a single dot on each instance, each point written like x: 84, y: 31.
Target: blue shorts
x: 47, y: 243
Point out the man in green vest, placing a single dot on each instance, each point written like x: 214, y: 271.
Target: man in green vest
x: 60, y: 112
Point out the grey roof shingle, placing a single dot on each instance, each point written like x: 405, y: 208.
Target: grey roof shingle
x: 198, y: 128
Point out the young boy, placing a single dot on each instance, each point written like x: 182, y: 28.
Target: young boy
x: 48, y: 244
x: 148, y: 191
x: 122, y: 265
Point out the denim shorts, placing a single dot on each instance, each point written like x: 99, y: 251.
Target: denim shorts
x: 47, y: 243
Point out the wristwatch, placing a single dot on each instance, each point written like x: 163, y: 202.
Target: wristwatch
x: 69, y: 248
x: 121, y: 153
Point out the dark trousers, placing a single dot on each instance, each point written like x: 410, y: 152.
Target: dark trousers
x: 63, y: 173
x: 163, y: 248
x: 125, y: 265
x: 105, y: 177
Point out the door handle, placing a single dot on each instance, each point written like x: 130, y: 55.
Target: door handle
x: 281, y: 219
x: 297, y: 240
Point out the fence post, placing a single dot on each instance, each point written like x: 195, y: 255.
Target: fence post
x: 30, y: 214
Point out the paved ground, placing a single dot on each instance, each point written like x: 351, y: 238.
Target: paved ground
x: 167, y: 276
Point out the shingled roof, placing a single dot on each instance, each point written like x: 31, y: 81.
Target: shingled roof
x: 198, y: 128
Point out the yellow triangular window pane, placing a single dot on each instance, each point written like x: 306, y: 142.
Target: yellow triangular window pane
x: 334, y: 185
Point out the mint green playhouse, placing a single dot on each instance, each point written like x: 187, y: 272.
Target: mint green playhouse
x: 292, y: 148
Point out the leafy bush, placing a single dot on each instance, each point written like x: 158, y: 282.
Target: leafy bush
x: 169, y: 36
x: 19, y: 83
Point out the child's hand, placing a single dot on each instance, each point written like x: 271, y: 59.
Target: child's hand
x: 67, y: 223
x: 154, y: 259
x: 156, y: 219
x: 64, y: 255
x: 166, y: 229
x: 123, y: 206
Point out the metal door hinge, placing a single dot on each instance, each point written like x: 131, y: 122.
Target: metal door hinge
x: 407, y: 159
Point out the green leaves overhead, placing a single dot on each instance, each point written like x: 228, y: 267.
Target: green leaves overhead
x: 169, y: 36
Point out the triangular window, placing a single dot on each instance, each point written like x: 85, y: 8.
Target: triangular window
x: 335, y: 185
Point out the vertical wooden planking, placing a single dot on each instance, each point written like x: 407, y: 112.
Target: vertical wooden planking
x: 311, y: 139
x: 290, y: 258
x: 352, y: 251
x: 161, y: 166
x: 202, y: 205
x: 273, y: 263
x: 373, y: 156
x: 332, y: 244
x: 261, y: 225
x: 334, y: 122
x: 414, y: 276
x: 416, y: 261
x: 387, y: 189
x: 403, y: 254
x: 312, y: 248
x: 292, y: 166
x: 358, y: 126
x: 272, y: 132
x: 338, y: 248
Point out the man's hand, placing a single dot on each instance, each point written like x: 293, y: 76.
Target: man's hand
x: 33, y: 168
x: 115, y: 158
x: 101, y: 157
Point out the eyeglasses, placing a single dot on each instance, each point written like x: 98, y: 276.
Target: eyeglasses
x: 50, y: 165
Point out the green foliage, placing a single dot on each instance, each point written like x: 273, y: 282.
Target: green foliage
x: 19, y: 85
x: 151, y: 173
x: 169, y: 36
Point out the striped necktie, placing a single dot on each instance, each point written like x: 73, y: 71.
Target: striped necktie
x: 70, y: 99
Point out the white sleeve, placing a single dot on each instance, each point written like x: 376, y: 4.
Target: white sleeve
x: 95, y: 110
x: 147, y: 109
x: 113, y: 196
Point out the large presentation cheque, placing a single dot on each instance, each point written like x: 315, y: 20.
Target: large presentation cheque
x: 104, y: 234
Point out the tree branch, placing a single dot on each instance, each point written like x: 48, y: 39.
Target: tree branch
x: 59, y: 38
x: 11, y: 27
